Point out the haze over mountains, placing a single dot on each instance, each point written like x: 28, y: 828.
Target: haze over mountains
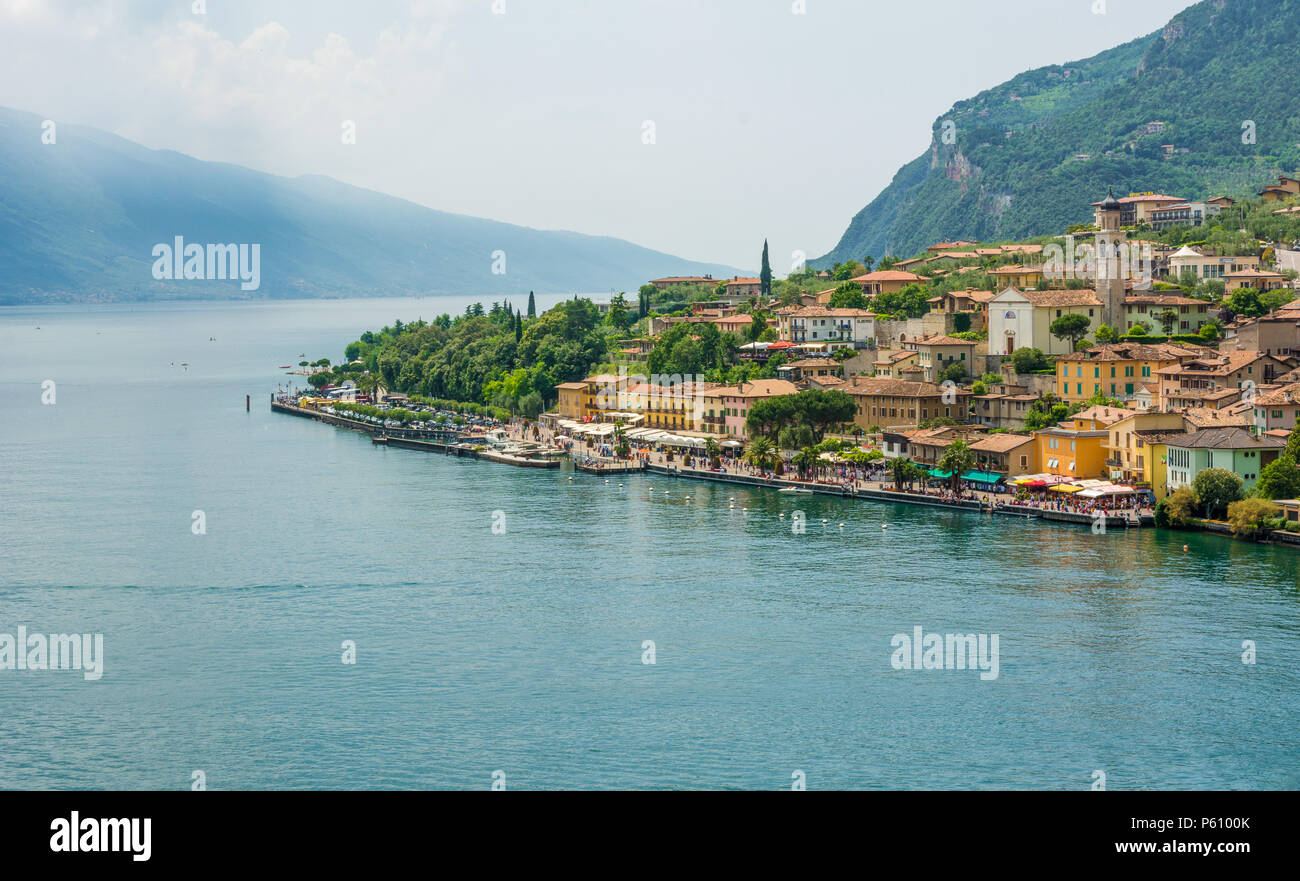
x: 79, y: 220
x: 1028, y: 157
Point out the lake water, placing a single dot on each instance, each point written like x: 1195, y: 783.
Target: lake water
x: 523, y: 652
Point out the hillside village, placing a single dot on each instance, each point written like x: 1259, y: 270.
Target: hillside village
x: 1092, y: 373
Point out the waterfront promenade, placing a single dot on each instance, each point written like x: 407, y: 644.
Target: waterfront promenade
x: 837, y: 480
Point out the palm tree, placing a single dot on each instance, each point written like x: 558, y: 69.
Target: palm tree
x: 903, y: 472
x: 368, y: 383
x: 712, y: 452
x: 958, y: 459
x: 760, y: 452
x: 805, y: 460
x: 1167, y: 318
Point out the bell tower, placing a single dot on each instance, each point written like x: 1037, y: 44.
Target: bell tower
x: 1110, y: 244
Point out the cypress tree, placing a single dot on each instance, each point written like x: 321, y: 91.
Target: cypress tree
x: 532, y: 307
x: 765, y: 275
x: 519, y: 328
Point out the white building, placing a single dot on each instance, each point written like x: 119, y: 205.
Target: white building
x: 821, y: 324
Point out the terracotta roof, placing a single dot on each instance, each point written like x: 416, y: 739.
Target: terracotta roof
x: 1207, y: 417
x: 1162, y: 300
x: 1015, y: 270
x: 1136, y: 352
x: 977, y: 296
x: 758, y: 388
x: 1154, y: 197
x: 1082, y: 297
x: 813, y: 362
x: 1000, y: 443
x: 899, y: 388
x: 1253, y: 273
x: 824, y: 312
x: 887, y: 275
x: 1288, y: 394
x: 1104, y: 414
x: 940, y: 341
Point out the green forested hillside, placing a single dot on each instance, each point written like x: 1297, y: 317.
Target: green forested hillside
x: 1011, y: 170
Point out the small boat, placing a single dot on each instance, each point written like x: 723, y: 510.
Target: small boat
x: 285, y: 367
x: 795, y: 489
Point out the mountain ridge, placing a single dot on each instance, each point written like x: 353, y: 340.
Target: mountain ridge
x: 79, y: 220
x: 1012, y: 169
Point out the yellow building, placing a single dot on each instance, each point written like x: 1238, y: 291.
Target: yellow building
x: 1069, y: 452
x: 1132, y: 458
x: 1117, y: 370
x: 570, y: 403
x: 890, y: 364
x: 679, y: 407
x: 1021, y: 277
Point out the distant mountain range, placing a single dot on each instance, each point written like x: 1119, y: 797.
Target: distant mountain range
x: 80, y: 220
x: 1028, y: 157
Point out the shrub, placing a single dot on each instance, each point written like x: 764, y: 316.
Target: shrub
x: 1177, y: 510
x: 1249, y: 517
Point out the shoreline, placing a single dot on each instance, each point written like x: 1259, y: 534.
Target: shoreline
x: 417, y: 439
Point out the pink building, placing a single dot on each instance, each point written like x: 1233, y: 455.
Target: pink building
x: 726, y: 408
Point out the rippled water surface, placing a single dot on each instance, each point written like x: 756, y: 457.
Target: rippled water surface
x: 522, y: 652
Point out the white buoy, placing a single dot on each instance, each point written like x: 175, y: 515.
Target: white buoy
x: 884, y: 526
x: 841, y: 526
x: 620, y: 486
x: 782, y: 515
x: 823, y: 519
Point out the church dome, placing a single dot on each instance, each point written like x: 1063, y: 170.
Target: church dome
x: 1111, y: 203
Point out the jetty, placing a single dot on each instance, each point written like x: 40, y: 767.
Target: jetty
x: 448, y: 442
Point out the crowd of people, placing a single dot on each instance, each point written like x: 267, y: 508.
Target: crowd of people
x: 874, y: 476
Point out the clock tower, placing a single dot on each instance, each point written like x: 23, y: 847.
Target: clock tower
x: 1110, y: 244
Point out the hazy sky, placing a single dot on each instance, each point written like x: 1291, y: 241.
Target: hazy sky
x: 766, y: 123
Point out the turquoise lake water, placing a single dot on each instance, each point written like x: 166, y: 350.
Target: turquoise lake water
x: 522, y: 652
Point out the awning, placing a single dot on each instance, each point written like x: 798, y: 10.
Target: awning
x: 982, y: 477
x: 942, y: 475
x: 1066, y: 488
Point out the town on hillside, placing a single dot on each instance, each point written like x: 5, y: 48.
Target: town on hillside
x: 1148, y: 361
